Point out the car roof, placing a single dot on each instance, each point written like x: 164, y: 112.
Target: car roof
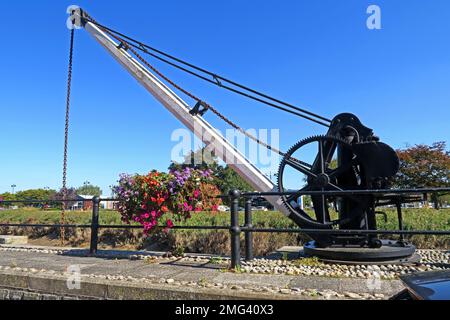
x: 434, y: 285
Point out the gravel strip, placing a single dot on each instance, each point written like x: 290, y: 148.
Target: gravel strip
x: 431, y: 260
x: 306, y: 293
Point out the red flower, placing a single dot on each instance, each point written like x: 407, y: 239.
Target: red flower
x: 196, y: 194
x: 146, y: 199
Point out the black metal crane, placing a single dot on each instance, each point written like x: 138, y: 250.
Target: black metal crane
x: 349, y: 156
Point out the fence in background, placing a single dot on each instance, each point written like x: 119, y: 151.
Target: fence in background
x: 248, y: 229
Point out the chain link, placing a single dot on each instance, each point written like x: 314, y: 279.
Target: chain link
x: 206, y: 105
x: 125, y: 46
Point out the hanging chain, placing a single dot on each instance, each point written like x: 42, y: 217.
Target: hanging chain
x: 206, y: 105
x: 66, y: 139
x: 125, y: 46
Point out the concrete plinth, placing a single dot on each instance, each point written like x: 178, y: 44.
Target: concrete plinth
x: 13, y: 239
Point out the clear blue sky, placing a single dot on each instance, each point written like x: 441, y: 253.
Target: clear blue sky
x: 317, y: 54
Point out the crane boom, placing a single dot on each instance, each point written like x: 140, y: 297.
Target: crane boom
x: 180, y: 109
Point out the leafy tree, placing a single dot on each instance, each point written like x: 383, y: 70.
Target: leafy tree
x: 35, y: 194
x: 424, y: 166
x: 7, y: 196
x: 89, y: 190
x: 225, y: 178
x: 28, y: 195
x: 445, y: 199
x: 201, y: 159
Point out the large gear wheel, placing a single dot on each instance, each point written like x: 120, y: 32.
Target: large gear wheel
x: 321, y: 174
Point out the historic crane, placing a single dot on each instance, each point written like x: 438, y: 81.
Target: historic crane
x: 349, y: 155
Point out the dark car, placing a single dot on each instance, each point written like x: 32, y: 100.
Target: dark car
x: 434, y: 285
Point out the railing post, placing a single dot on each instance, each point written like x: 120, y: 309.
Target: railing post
x: 94, y: 225
x: 435, y: 197
x: 235, y: 230
x: 400, y: 219
x: 248, y: 234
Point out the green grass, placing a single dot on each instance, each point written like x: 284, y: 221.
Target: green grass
x: 417, y: 219
x: 414, y: 219
x: 261, y: 219
x: 32, y: 215
x: 314, y: 261
x: 423, y: 219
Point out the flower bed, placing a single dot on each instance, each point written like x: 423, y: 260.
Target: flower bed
x: 150, y: 199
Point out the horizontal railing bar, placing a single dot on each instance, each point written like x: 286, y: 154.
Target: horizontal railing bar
x: 201, y: 227
x: 115, y: 226
x: 174, y: 227
x: 45, y: 201
x: 347, y: 232
x: 348, y: 192
x: 274, y: 193
x: 26, y: 225
x: 55, y: 201
x: 245, y: 229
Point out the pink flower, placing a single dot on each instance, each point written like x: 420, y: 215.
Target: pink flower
x: 145, y: 199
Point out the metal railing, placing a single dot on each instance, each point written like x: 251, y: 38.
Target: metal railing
x: 248, y: 229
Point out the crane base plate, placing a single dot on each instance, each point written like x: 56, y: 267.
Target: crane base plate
x: 391, y: 252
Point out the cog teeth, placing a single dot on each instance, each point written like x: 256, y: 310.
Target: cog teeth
x: 289, y: 153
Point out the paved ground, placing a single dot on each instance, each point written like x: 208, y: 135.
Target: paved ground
x: 185, y: 272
